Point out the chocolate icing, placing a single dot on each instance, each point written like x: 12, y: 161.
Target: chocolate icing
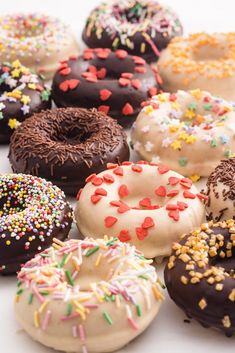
x: 113, y: 82
x: 138, y: 23
x: 32, y: 213
x: 206, y: 292
x: 22, y: 94
x: 66, y: 145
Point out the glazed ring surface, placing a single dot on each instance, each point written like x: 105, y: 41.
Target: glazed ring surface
x: 38, y: 41
x: 33, y: 211
x: 101, y: 294
x: 113, y: 82
x: 189, y: 131
x: 220, y: 190
x: 22, y: 93
x: 149, y: 206
x: 201, y: 60
x: 141, y: 27
x: 200, y: 275
x: 66, y: 145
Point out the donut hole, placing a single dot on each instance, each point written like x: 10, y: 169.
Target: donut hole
x: 72, y: 136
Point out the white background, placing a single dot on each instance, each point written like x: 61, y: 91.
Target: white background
x: 168, y: 332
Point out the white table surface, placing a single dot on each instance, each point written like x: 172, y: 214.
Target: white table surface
x: 168, y: 332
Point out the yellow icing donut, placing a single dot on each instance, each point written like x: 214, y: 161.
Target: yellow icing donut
x: 189, y: 131
x: 149, y: 206
x: 87, y: 295
x: 37, y: 40
x: 202, y: 60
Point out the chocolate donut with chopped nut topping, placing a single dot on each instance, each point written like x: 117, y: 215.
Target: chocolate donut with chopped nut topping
x: 66, y: 145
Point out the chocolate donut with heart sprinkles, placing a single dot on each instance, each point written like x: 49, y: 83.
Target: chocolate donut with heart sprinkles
x: 113, y: 82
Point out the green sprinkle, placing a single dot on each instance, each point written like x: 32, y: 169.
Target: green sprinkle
x: 92, y: 251
x: 63, y: 260
x: 69, y: 277
x: 107, y: 317
x: 183, y: 161
x: 19, y: 283
x: 138, y: 310
x: 44, y: 255
x: 1, y: 116
x: 44, y: 293
x: 45, y: 95
x: 20, y: 291
x: 214, y: 143
x: 207, y: 107
x: 144, y: 277
x: 192, y: 106
x: 69, y: 309
x: 228, y: 153
x: 30, y: 299
x: 113, y: 297
x: 111, y: 242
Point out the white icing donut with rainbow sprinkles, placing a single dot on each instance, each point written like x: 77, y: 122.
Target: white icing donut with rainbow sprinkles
x: 188, y: 131
x: 149, y: 206
x: 87, y: 295
x: 37, y: 40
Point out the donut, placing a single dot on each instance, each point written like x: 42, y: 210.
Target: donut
x: 113, y: 82
x: 100, y: 294
x: 200, y: 275
x: 37, y: 40
x: 33, y: 211
x: 66, y: 145
x: 220, y: 190
x: 141, y: 27
x: 201, y: 60
x: 21, y: 94
x: 189, y: 131
x: 147, y: 205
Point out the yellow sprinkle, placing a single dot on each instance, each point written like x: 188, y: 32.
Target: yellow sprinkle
x: 79, y: 306
x: 196, y: 93
x: 43, y: 306
x: 82, y: 314
x: 174, y: 128
x: 36, y: 319
x: 142, y: 47
x: 191, y: 139
x: 117, y: 301
x: 157, y: 294
x: 57, y: 241
x: 176, y: 145
x: 25, y: 99
x: 189, y: 114
x: 16, y: 64
x: 75, y: 263
x: 195, y: 178
x: 13, y: 123
x: 149, y: 109
x: 98, y: 260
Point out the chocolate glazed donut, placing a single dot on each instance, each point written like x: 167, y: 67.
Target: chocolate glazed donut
x: 200, y: 275
x: 66, y: 145
x: 113, y: 82
x: 22, y: 93
x: 32, y: 213
x: 141, y: 27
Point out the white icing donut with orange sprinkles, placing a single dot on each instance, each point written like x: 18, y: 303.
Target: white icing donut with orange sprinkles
x: 190, y: 131
x: 91, y: 295
x: 145, y: 204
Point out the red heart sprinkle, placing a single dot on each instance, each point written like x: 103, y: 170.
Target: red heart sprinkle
x: 148, y: 223
x: 88, y: 55
x: 118, y: 171
x: 121, y: 54
x: 63, y: 66
x: 126, y: 163
x: 142, y: 162
x: 174, y: 214
x: 146, y: 202
x: 73, y: 57
x: 188, y: 195
x: 123, y: 208
x: 162, y: 169
x: 96, y: 181
x: 141, y: 233
x: 64, y: 72
x: 64, y: 86
x: 172, y: 97
x: 102, y: 54
x: 127, y: 109
x: 161, y: 191
x: 186, y: 183
x: 95, y: 199
x: 182, y: 205
x: 172, y: 193
x: 152, y: 91
x: 101, y: 191
x: 123, y: 82
x: 127, y: 75
x: 92, y: 69
x: 115, y: 203
x: 101, y: 73
x: 78, y: 194
x: 92, y: 79
x: 136, y: 84
x: 202, y: 196
x: 104, y: 109
x: 124, y: 235
x: 123, y: 190
x: 108, y: 178
x: 73, y: 83
x: 173, y: 180
x: 140, y: 69
x: 171, y: 206
x: 105, y: 94
x: 109, y: 221
x: 138, y: 60
x: 111, y: 165
x: 136, y: 168
x: 90, y: 177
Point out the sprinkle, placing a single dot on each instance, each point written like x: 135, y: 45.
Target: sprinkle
x: 36, y: 319
x: 138, y: 310
x: 69, y: 277
x: 92, y: 251
x: 110, y: 221
x: 107, y: 317
x: 46, y: 320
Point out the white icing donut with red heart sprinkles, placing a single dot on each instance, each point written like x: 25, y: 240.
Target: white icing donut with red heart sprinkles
x: 145, y: 204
